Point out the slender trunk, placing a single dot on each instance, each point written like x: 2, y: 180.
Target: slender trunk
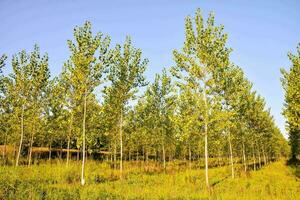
x: 219, y: 158
x: 129, y: 155
x: 147, y: 155
x: 164, y: 157
x: 60, y: 151
x: 206, y: 160
x: 31, y: 141
x: 68, y: 151
x: 115, y: 155
x: 22, y: 135
x: 14, y: 156
x: 231, y: 157
x: 4, y: 150
x: 111, y: 154
x: 264, y: 155
x: 121, y: 144
x: 143, y: 153
x: 137, y: 154
x: 254, y: 159
x: 78, y: 150
x: 190, y: 157
x: 205, y: 136
x: 83, y: 138
x: 244, y: 157
x: 50, y: 151
x: 259, y: 159
x: 30, y: 150
x: 69, y: 138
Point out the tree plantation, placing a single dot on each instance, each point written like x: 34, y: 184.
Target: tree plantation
x: 100, y: 127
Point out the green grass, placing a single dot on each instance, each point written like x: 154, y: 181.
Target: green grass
x: 56, y: 181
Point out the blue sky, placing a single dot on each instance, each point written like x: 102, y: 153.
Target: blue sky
x: 260, y: 32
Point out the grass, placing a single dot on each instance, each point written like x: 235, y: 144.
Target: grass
x: 56, y: 181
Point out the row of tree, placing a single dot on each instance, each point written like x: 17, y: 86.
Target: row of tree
x: 202, y: 107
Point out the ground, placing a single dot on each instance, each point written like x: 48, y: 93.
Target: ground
x: 57, y: 181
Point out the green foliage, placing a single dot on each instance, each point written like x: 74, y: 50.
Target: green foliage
x: 291, y: 86
x: 205, y: 112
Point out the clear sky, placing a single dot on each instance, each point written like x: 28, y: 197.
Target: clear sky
x: 260, y: 32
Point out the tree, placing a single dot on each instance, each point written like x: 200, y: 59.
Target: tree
x: 125, y: 76
x: 26, y: 89
x: 86, y: 70
x: 203, y: 55
x: 291, y: 85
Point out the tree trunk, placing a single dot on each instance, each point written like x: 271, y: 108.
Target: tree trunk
x: 69, y: 138
x: 83, y: 138
x: 22, y: 135
x: 50, y: 152
x: 147, y: 155
x: 254, y: 159
x: 30, y: 150
x: 164, y: 157
x: 206, y: 158
x: 264, y: 155
x: 121, y: 144
x: 231, y: 157
x: 31, y: 141
x: 190, y: 157
x: 259, y: 159
x: 137, y: 154
x: 4, y: 150
x: 115, y: 156
x: 68, y: 151
x: 205, y: 136
x: 244, y: 157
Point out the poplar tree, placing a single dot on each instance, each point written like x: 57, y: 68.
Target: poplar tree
x: 39, y: 75
x: 86, y: 70
x: 203, y: 55
x: 291, y: 85
x: 125, y: 75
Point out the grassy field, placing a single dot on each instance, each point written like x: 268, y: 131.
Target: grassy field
x: 56, y: 181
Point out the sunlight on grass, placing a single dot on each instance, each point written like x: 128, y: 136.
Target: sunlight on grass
x: 57, y: 181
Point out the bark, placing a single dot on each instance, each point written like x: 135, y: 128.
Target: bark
x: 164, y: 157
x: 190, y: 157
x: 264, y: 155
x: 4, y: 150
x: 50, y: 152
x: 68, y: 151
x: 115, y: 155
x: 22, y: 135
x: 137, y: 154
x: 254, y: 159
x: 244, y: 157
x: 121, y: 144
x: 259, y: 159
x: 69, y: 138
x: 31, y: 141
x: 205, y: 136
x: 83, y: 142
x: 231, y: 157
x: 30, y: 150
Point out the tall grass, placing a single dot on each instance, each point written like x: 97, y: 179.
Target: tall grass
x: 57, y: 181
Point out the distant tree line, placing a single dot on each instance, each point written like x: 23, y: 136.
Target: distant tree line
x: 202, y: 107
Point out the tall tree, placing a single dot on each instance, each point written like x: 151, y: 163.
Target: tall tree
x: 27, y: 83
x: 126, y: 74
x: 291, y: 85
x: 203, y: 55
x: 86, y: 70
